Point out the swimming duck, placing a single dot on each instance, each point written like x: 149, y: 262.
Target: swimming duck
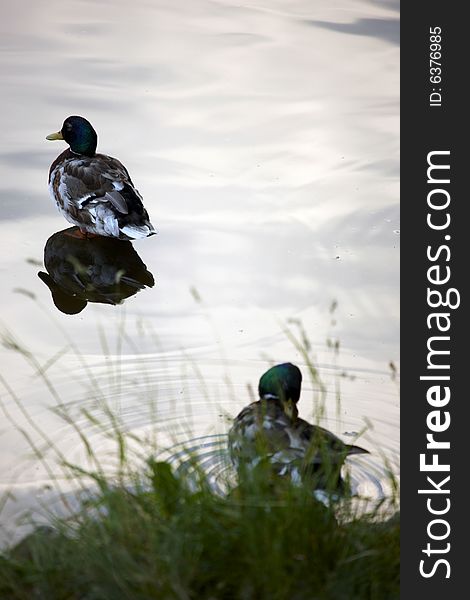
x: 271, y: 429
x: 94, y: 191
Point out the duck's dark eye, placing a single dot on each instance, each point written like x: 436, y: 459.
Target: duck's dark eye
x: 68, y: 126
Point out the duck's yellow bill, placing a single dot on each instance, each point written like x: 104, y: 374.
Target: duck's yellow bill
x: 55, y: 136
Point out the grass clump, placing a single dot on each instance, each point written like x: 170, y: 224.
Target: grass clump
x: 166, y: 537
x: 152, y: 532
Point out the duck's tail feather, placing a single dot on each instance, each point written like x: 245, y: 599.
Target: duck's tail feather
x: 356, y: 450
x: 136, y: 232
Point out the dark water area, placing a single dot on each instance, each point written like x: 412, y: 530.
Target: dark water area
x: 264, y: 140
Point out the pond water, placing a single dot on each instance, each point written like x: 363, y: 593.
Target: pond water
x: 263, y: 136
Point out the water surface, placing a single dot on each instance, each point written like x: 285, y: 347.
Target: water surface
x: 263, y: 137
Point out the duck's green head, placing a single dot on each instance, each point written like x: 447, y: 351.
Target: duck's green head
x: 79, y: 135
x: 282, y: 382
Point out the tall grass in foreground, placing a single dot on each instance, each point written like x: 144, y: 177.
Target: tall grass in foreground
x: 163, y: 538
x: 150, y: 532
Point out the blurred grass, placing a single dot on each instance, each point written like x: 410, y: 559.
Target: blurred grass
x: 149, y: 531
x: 165, y: 537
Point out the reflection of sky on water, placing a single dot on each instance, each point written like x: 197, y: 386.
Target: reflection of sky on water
x: 264, y: 140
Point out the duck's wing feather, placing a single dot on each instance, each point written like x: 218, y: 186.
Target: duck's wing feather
x: 100, y: 178
x: 259, y: 426
x: 315, y: 436
x: 309, y: 433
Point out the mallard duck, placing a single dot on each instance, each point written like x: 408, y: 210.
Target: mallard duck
x: 94, y: 191
x: 271, y: 429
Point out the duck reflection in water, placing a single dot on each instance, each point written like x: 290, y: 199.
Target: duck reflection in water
x: 98, y: 269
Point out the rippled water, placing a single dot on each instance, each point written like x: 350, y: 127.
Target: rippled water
x: 264, y: 139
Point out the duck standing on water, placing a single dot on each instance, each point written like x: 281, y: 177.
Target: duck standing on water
x: 94, y: 191
x: 271, y: 429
